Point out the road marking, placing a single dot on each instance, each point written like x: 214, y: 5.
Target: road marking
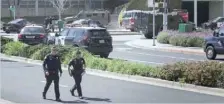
x: 59, y: 84
x: 140, y: 61
x: 162, y: 56
x: 122, y: 49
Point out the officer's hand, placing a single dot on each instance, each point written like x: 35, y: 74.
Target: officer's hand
x: 60, y: 74
x: 47, y: 73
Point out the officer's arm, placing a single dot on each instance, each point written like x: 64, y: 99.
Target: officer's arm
x: 45, y: 63
x: 84, y: 62
x: 59, y: 64
x: 69, y: 65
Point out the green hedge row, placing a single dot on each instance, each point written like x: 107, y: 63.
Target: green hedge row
x: 194, y: 39
x: 208, y: 73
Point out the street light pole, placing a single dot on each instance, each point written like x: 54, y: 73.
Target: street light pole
x: 165, y: 15
x: 196, y: 13
x: 154, y: 43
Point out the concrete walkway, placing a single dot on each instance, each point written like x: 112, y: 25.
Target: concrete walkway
x: 148, y: 44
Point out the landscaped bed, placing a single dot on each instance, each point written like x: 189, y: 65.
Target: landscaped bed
x: 208, y: 73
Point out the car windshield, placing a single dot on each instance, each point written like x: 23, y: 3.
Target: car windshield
x: 32, y: 30
x: 101, y: 32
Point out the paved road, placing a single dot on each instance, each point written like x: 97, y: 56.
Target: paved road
x: 23, y: 83
x: 152, y: 57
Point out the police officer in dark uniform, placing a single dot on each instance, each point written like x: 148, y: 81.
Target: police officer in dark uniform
x: 46, y: 22
x: 78, y: 68
x: 52, y: 67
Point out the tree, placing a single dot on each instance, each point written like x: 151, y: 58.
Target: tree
x: 60, y: 5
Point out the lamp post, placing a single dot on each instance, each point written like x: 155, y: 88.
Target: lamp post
x: 154, y: 43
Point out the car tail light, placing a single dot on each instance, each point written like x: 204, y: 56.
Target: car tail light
x: 41, y: 36
x: 20, y: 36
x: 132, y: 21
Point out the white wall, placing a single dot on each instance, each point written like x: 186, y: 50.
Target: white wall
x: 215, y: 9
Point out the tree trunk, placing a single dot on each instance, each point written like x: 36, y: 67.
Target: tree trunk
x: 10, y: 12
x: 59, y: 14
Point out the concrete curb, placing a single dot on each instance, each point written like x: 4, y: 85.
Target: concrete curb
x: 185, y: 51
x: 136, y: 79
x: 2, y: 101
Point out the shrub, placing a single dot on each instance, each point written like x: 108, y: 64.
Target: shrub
x: 14, y: 48
x: 207, y: 73
x: 192, y: 39
x: 163, y: 37
x: 5, y: 40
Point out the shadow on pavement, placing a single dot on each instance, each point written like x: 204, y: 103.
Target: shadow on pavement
x: 97, y: 99
x: 63, y: 101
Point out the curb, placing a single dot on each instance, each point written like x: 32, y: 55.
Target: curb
x: 185, y: 51
x: 136, y: 79
x: 2, y: 101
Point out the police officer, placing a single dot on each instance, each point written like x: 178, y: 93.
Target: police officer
x: 46, y: 22
x: 77, y: 70
x: 52, y: 66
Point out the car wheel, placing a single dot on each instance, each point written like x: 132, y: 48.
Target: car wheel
x: 132, y: 30
x: 104, y: 55
x: 148, y: 36
x: 210, y: 53
x: 7, y: 32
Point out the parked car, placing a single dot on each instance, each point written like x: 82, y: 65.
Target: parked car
x: 214, y: 23
x: 33, y: 35
x: 15, y: 25
x: 94, y: 39
x: 215, y: 44
x: 86, y: 22
x: 2, y: 23
x: 142, y: 21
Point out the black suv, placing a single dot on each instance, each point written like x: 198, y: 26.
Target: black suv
x: 215, y: 44
x: 15, y: 25
x: 94, y: 39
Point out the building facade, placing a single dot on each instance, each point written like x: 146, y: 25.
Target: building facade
x: 45, y: 8
x: 206, y: 9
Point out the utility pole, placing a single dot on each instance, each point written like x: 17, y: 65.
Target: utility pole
x: 154, y: 43
x: 165, y: 22
x: 196, y: 13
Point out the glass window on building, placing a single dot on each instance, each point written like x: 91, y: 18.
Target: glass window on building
x: 23, y: 4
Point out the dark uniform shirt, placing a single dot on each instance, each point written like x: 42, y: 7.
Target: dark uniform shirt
x: 52, y: 63
x: 77, y: 63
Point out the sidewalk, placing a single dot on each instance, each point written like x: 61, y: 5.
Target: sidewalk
x: 148, y: 44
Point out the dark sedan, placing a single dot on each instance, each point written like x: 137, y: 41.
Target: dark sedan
x: 33, y: 35
x: 214, y: 23
x: 15, y: 25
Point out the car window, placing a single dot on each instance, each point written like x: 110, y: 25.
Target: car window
x: 102, y: 32
x: 64, y: 32
x: 79, y: 33
x: 221, y: 32
x: 221, y: 20
x: 72, y: 33
x: 32, y: 30
x: 127, y: 15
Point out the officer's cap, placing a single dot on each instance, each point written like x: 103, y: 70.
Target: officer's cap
x: 53, y: 48
x: 78, y: 52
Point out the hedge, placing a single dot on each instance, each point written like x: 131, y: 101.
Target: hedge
x: 208, y: 73
x: 193, y: 39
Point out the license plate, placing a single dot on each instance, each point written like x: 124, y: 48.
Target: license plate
x: 102, y: 41
x: 30, y: 36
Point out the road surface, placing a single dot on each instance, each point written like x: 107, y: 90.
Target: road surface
x: 152, y: 57
x: 23, y: 83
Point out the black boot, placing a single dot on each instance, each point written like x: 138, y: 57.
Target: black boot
x: 72, y: 93
x: 58, y: 99
x: 44, y: 95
